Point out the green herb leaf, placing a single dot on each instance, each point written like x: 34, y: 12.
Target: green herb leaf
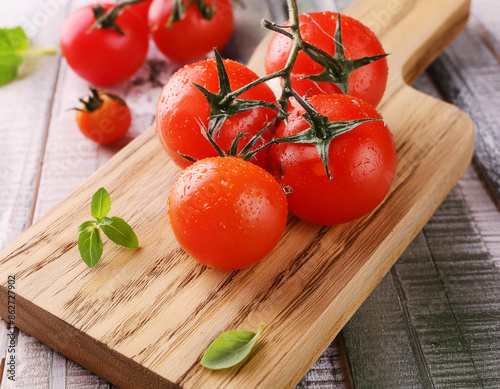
x: 121, y: 233
x: 13, y: 44
x: 104, y: 221
x: 229, y: 349
x: 101, y: 204
x: 90, y: 246
x: 86, y: 225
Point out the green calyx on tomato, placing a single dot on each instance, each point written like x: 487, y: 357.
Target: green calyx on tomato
x: 337, y: 69
x: 221, y: 107
x: 321, y: 133
x: 107, y: 18
x: 180, y: 6
x: 93, y: 101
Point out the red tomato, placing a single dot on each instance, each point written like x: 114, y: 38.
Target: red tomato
x: 142, y: 10
x: 362, y: 163
x: 104, y: 122
x: 318, y: 29
x: 227, y: 213
x: 193, y: 37
x: 183, y: 111
x: 103, y: 56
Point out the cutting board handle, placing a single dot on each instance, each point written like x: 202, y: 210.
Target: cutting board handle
x: 417, y: 30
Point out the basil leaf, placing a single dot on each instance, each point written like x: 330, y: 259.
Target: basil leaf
x: 86, y: 225
x: 121, y: 233
x: 13, y: 44
x: 90, y: 246
x: 229, y: 349
x: 104, y: 221
x: 101, y: 204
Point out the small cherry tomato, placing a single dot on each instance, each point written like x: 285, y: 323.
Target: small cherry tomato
x: 192, y: 37
x: 183, y: 112
x: 101, y: 54
x: 227, y: 213
x: 358, y: 41
x: 104, y: 118
x: 362, y: 163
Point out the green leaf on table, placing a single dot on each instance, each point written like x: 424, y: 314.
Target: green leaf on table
x: 101, y: 204
x: 229, y: 349
x: 13, y: 44
x: 90, y: 246
x: 121, y: 233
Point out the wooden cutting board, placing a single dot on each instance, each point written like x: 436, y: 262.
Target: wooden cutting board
x: 143, y: 318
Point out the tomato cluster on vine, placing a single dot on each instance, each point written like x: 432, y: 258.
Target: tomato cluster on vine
x: 106, y: 43
x: 319, y: 149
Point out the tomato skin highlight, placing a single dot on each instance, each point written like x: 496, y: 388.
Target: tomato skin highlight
x: 227, y: 213
x: 183, y: 110
x: 108, y: 123
x: 192, y: 37
x: 362, y: 163
x: 318, y: 28
x: 103, y: 56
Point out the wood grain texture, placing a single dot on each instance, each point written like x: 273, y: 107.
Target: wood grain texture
x: 483, y: 211
x: 485, y: 22
x: 24, y: 127
x: 467, y: 75
x: 90, y: 314
x: 434, y: 321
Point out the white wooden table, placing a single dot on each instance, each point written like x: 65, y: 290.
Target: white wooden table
x: 43, y: 157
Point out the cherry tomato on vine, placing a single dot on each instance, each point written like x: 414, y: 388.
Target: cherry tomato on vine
x: 104, y: 118
x: 227, y: 213
x: 183, y: 111
x: 192, y: 37
x: 318, y: 28
x: 100, y: 54
x: 361, y: 162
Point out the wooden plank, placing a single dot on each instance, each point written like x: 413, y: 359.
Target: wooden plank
x: 430, y: 321
x: 296, y: 334
x: 330, y: 370
x: 484, y: 20
x: 25, y: 117
x: 483, y: 211
x: 467, y: 75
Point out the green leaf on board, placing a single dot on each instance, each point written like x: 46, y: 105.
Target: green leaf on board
x: 90, y: 246
x: 229, y: 349
x: 86, y: 225
x: 101, y: 204
x: 121, y: 233
x: 115, y: 228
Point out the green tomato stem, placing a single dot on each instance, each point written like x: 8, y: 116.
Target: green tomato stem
x: 36, y: 51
